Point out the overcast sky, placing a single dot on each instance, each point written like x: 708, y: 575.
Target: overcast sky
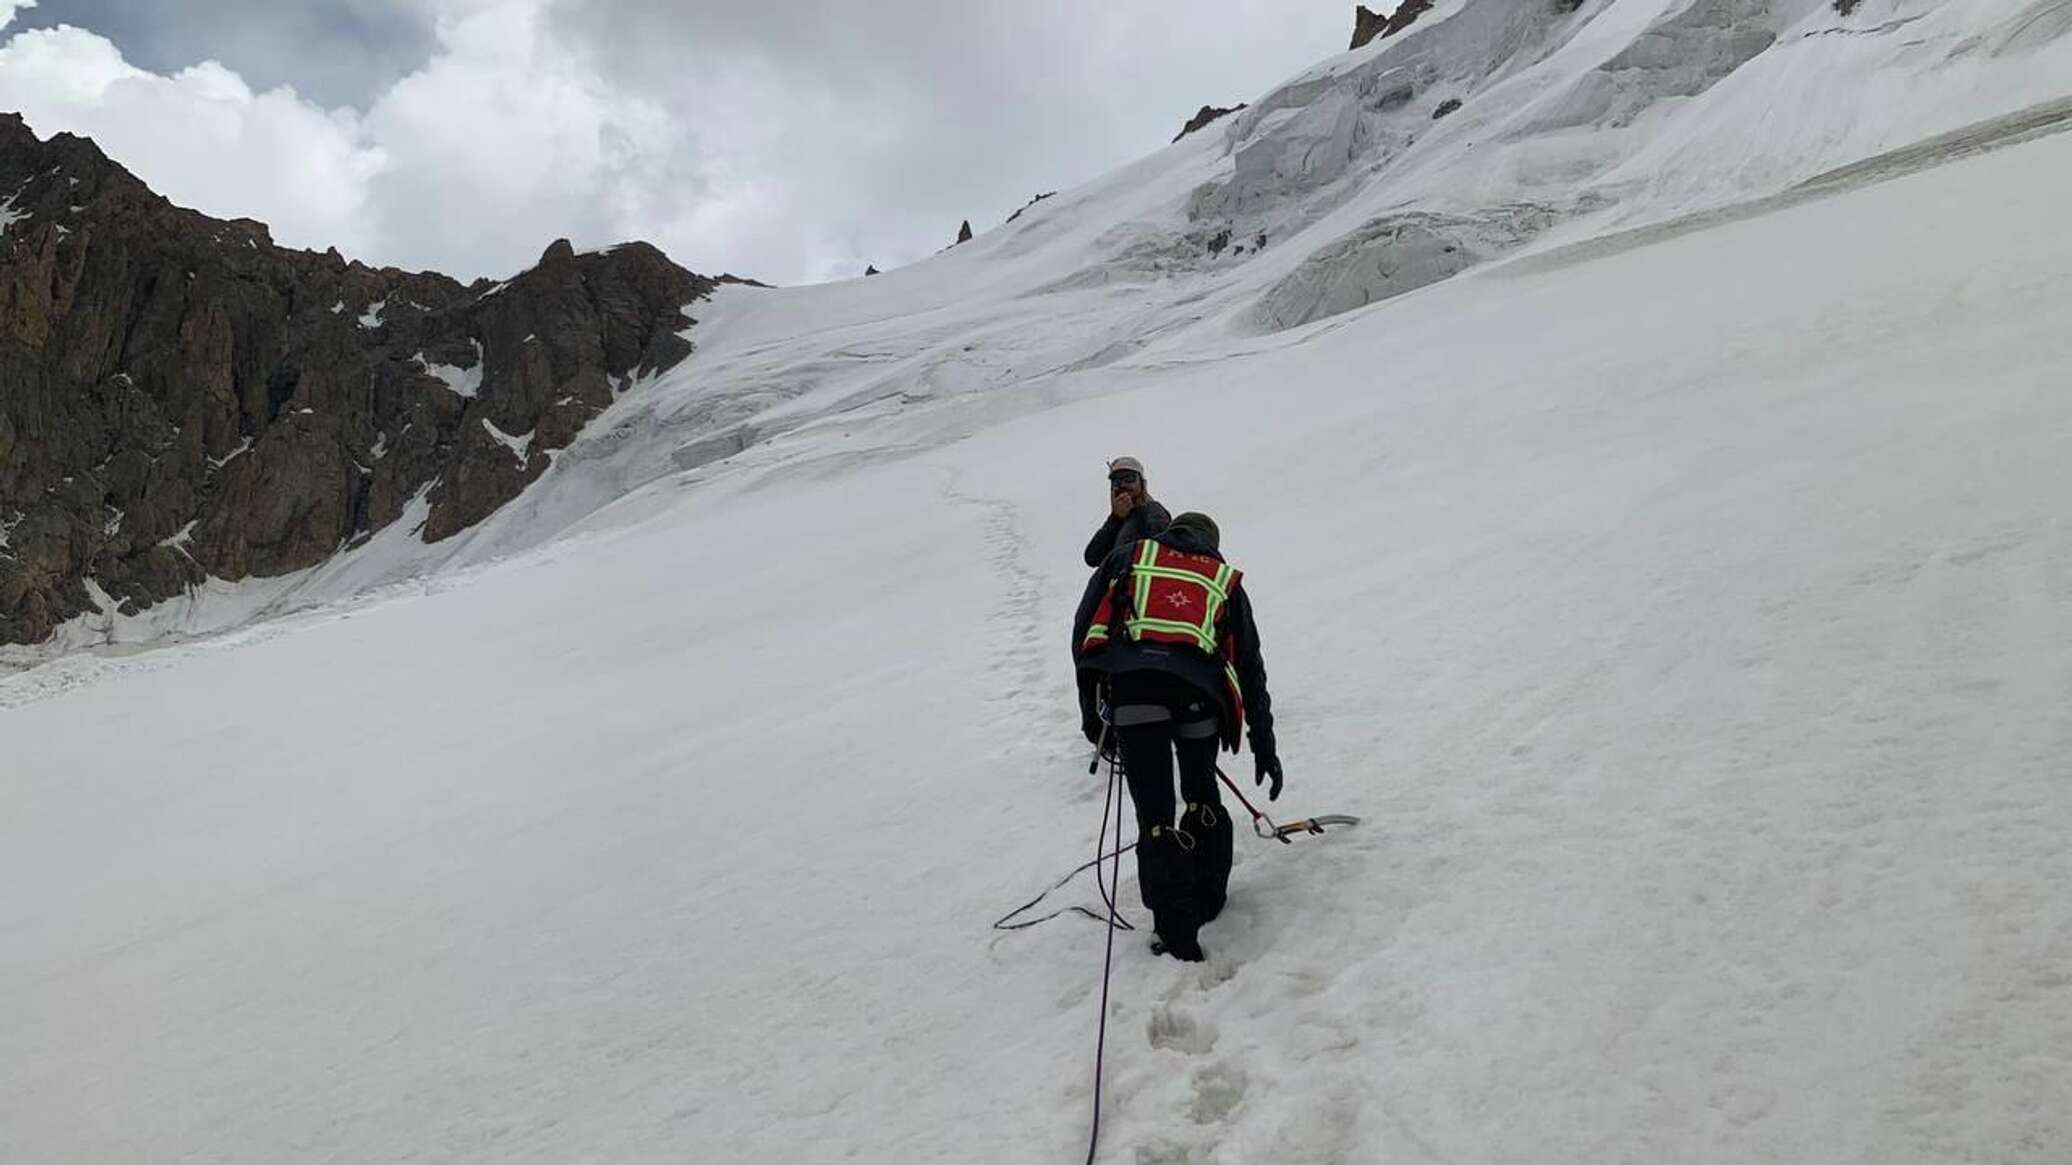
x: 791, y: 140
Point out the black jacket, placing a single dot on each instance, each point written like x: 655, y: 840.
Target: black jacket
x: 1146, y: 521
x: 1122, y: 654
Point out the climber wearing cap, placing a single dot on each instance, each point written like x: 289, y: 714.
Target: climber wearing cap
x: 1132, y: 513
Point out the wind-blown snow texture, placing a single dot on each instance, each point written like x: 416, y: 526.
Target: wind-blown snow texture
x: 1689, y: 614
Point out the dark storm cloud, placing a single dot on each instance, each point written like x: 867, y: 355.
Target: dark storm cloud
x: 334, y: 52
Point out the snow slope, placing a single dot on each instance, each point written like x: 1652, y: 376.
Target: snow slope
x: 1687, y: 615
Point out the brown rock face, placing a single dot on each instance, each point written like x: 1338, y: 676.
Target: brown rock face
x: 1406, y: 15
x: 181, y: 398
x: 1366, y: 26
x: 1369, y: 25
x: 1209, y: 113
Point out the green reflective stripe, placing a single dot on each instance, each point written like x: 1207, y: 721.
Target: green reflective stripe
x: 1173, y: 625
x: 1140, y: 580
x: 1218, y: 586
x: 1224, y: 575
x: 1202, y: 639
x: 1218, y: 595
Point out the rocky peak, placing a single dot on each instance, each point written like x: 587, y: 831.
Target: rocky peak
x: 1367, y: 25
x: 15, y: 131
x: 1207, y: 114
x: 186, y: 399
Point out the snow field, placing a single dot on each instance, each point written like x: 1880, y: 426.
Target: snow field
x: 1689, y: 626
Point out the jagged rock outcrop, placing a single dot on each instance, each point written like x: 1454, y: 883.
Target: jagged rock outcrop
x: 963, y: 233
x: 1024, y: 208
x: 180, y: 398
x: 1367, y: 26
x: 869, y: 270
x: 1207, y: 114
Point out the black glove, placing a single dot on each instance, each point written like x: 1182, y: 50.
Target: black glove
x: 1268, y: 766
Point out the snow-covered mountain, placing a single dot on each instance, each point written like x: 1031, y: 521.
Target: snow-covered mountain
x: 1490, y: 131
x: 1649, y: 477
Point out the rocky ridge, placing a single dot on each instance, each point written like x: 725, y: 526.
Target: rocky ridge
x: 1204, y: 116
x: 1369, y: 26
x: 180, y: 398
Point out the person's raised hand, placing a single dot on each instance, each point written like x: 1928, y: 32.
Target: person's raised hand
x: 1122, y: 503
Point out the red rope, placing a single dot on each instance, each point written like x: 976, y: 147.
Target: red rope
x: 1256, y: 815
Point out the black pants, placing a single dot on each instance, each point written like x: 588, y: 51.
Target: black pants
x: 1183, y: 866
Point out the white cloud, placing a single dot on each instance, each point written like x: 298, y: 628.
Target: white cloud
x: 504, y: 141
x: 469, y: 165
x: 201, y: 137
x: 794, y: 142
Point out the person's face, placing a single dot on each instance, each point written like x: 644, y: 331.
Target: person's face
x: 1127, y: 481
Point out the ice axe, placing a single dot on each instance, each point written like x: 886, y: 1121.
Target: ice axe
x: 1265, y: 827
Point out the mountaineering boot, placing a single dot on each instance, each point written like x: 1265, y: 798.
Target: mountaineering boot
x: 1165, y: 874
x: 1187, y: 952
